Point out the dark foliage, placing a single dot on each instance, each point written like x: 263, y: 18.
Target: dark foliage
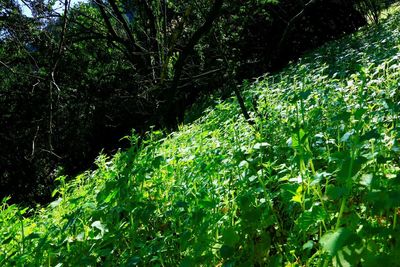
x: 276, y: 34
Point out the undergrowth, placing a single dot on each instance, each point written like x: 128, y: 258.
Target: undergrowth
x: 315, y: 181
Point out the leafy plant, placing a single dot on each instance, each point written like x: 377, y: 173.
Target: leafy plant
x: 314, y: 182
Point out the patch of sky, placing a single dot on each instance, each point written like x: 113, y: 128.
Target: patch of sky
x: 58, y: 6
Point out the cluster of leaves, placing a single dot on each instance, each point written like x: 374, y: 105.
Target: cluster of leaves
x: 315, y: 181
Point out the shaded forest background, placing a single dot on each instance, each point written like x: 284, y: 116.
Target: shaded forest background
x: 76, y: 79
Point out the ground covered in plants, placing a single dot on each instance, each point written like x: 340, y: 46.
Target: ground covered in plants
x: 314, y: 182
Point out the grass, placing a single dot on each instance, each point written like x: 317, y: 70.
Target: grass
x: 315, y: 182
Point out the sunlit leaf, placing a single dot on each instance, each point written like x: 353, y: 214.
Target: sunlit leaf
x: 333, y: 241
x: 55, y: 203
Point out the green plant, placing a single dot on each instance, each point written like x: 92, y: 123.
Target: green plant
x: 314, y: 182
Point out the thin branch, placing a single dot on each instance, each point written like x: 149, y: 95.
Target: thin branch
x: 242, y: 105
x: 51, y: 152
x: 21, y: 73
x: 62, y: 38
x: 106, y: 19
x: 33, y: 144
x: 128, y: 45
x: 125, y: 26
x: 200, y: 32
x: 206, y: 73
x: 290, y: 23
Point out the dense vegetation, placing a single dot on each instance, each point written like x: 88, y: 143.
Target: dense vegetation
x: 76, y: 79
x: 313, y: 181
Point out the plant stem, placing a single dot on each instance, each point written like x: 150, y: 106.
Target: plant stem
x: 22, y: 234
x: 344, y: 199
x: 326, y: 262
x: 342, y: 205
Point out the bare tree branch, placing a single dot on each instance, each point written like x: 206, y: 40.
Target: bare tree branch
x: 199, y: 33
x: 290, y: 24
x: 21, y: 73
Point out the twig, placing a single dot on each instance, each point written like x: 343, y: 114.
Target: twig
x: 21, y: 73
x: 51, y: 152
x: 289, y: 24
x: 33, y: 143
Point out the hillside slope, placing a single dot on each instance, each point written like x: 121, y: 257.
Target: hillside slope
x: 316, y: 181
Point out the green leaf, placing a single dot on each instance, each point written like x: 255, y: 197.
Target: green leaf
x: 226, y: 251
x: 244, y: 201
x: 366, y: 179
x: 380, y: 260
x: 276, y: 261
x: 311, y: 217
x: 373, y: 134
x: 55, y: 203
x: 207, y: 203
x: 308, y: 245
x: 135, y: 260
x: 32, y: 236
x: 347, y: 173
x: 344, y: 116
x: 230, y: 237
x: 319, y: 177
x: 181, y: 204
x: 261, y: 145
x: 333, y: 241
x: 187, y: 262
x: 336, y: 192
x: 346, y: 136
x: 243, y: 163
x: 304, y: 95
x: 349, y: 256
x: 359, y: 113
x: 340, y: 155
x: 111, y: 196
x: 98, y: 225
x: 157, y: 161
x: 252, y: 178
x: 7, y: 240
x: 384, y: 199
